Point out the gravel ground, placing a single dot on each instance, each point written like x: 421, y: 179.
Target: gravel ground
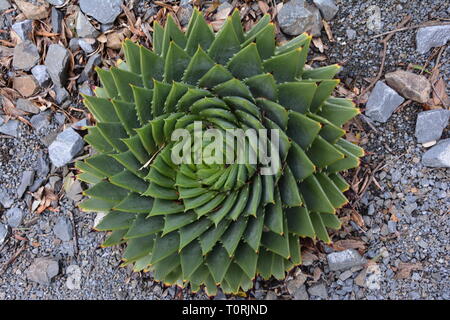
x: 406, y: 230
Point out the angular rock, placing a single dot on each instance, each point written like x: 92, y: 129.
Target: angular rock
x: 430, y: 37
x: 430, y: 124
x: 88, y: 45
x: 42, y: 270
x: 23, y: 29
x: 318, y: 290
x: 57, y: 62
x: 92, y: 62
x: 184, y: 14
x: 5, y: 200
x: 57, y: 17
x: 73, y: 277
x: 328, y: 8
x: 25, y: 182
x: 343, y: 260
x: 438, y: 156
x: 3, y: 233
x: 294, y: 18
x: 66, y: 146
x: 300, y: 293
x: 84, y: 27
x: 351, y: 34
x: 27, y: 106
x: 317, y: 23
x: 10, y: 128
x: 409, y: 85
x: 73, y: 44
x: 35, y: 11
x: 382, y: 102
x: 40, y: 73
x: 4, y: 4
x: 40, y: 121
x: 63, y: 229
x: 85, y: 89
x: 42, y: 170
x: 26, y: 56
x: 14, y: 217
x: 104, y: 11
x: 61, y: 94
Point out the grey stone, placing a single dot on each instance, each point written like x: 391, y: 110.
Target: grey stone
x: 10, y: 128
x: 343, y: 260
x: 40, y: 121
x: 271, y: 296
x: 57, y: 17
x: 14, y: 217
x: 25, y: 182
x: 438, y: 156
x: 26, y: 56
x: 74, y: 44
x: 317, y: 24
x: 42, y: 170
x: 42, y: 270
x: 73, y: 277
x: 66, y: 146
x: 104, y: 11
x: 23, y: 29
x: 3, y: 233
x: 184, y: 14
x: 92, y: 62
x: 57, y: 62
x: 294, y: 18
x: 318, y: 290
x: 430, y: 124
x: 60, y: 118
x: 351, y: 34
x: 56, y: 2
x: 382, y: 102
x: 300, y: 293
x: 27, y: 106
x: 88, y: 45
x: 63, y: 229
x: 85, y: 89
x: 429, y: 37
x: 345, y: 275
x: 5, y: 200
x: 392, y: 226
x: 85, y: 28
x: 41, y: 75
x: 61, y: 94
x: 4, y: 4
x: 409, y: 85
x: 81, y: 124
x: 328, y: 8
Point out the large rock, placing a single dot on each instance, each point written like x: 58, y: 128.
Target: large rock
x: 23, y: 29
x: 36, y: 11
x: 57, y: 62
x: 4, y: 4
x: 343, y: 260
x: 294, y: 18
x: 14, y: 217
x: 438, y: 156
x: 327, y: 7
x: 430, y: 124
x: 104, y: 11
x: 25, y: 182
x: 26, y: 56
x: 10, y: 128
x: 26, y: 85
x: 318, y: 290
x: 65, y: 147
x: 27, y: 106
x: 317, y: 24
x: 85, y: 28
x: 434, y: 36
x: 57, y: 17
x: 382, y: 102
x: 42, y: 270
x: 409, y: 85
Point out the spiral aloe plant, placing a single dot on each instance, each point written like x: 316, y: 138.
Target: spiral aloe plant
x: 216, y: 224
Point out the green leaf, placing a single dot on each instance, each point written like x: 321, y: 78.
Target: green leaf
x: 274, y: 214
x: 327, y: 72
x: 323, y: 92
x: 132, y: 55
x: 315, y: 198
x: 165, y: 246
x: 199, y: 65
x: 123, y: 80
x: 174, y: 222
x: 200, y: 36
x: 302, y: 130
x: 254, y: 229
x: 215, y: 76
x: 143, y: 226
x: 143, y: 101
x: 247, y: 259
x: 135, y: 203
x: 323, y: 153
x: 225, y: 45
x: 277, y: 66
x: 233, y: 87
x: 106, y: 191
x: 108, y: 83
x: 209, y: 238
x: 116, y: 220
x: 158, y: 192
x: 172, y: 33
x: 333, y: 193
x: 113, y: 132
x: 299, y: 222
x: 115, y: 238
x: 289, y: 191
x: 176, y: 62
x: 191, y: 258
x: 299, y: 163
x: 152, y: 66
x: 231, y: 238
x: 158, y: 35
x: 218, y: 263
x: 297, y: 96
x: 246, y: 63
x: 192, y: 231
x: 275, y: 112
x: 263, y: 86
x: 319, y: 227
x: 102, y: 109
x: 160, y: 92
x: 138, y: 247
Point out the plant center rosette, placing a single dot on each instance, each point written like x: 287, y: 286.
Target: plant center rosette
x: 204, y: 222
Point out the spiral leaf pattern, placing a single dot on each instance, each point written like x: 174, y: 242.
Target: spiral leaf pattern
x: 216, y: 224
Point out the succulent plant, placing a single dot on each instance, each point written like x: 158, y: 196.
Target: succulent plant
x: 216, y: 224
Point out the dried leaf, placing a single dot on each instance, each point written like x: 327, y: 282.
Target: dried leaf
x: 405, y: 269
